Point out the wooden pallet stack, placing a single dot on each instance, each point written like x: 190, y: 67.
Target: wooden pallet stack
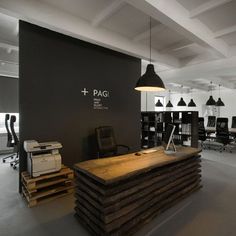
x: 121, y: 207
x: 47, y: 187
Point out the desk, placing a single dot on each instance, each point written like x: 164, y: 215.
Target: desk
x: 117, y: 195
x: 213, y: 130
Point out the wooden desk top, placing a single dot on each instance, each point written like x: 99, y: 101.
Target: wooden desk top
x: 112, y: 169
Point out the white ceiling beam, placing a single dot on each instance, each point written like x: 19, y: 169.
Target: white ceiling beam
x: 175, y: 16
x: 9, y: 47
x: 223, y: 82
x: 193, y: 85
x: 107, y: 12
x: 54, y: 19
x: 207, y: 6
x: 16, y: 30
x: 176, y: 46
x: 189, y: 84
x: 146, y: 34
x: 177, y: 89
x: 211, y: 70
x: 9, y: 70
x: 225, y: 31
x: 7, y: 57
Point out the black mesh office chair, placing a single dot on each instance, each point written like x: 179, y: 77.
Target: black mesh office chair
x: 222, y: 132
x: 106, y: 142
x: 233, y: 125
x: 211, y: 121
x: 201, y: 130
x: 9, y: 138
x: 233, y: 122
x: 15, y: 141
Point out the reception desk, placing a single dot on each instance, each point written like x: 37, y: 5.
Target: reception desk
x: 118, y: 195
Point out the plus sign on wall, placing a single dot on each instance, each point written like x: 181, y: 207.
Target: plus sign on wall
x: 99, y: 98
x: 84, y: 91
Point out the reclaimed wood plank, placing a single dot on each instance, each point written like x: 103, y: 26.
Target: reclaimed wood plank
x: 109, y: 200
x: 109, y: 170
x: 128, y: 211
x: 135, y: 201
x: 121, y: 185
x: 123, y: 228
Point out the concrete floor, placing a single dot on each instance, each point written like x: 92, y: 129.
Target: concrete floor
x: 211, y: 211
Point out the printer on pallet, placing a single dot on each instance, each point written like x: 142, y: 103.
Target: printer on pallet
x: 42, y: 158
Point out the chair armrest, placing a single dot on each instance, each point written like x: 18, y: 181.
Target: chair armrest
x: 124, y: 146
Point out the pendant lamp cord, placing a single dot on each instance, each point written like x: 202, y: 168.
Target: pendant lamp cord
x: 146, y: 101
x: 211, y: 88
x: 150, y: 39
x: 219, y: 90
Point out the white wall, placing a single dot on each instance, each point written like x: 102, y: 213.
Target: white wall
x: 228, y: 96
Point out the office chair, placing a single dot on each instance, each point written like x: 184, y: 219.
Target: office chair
x: 16, y: 142
x: 106, y: 142
x: 233, y: 125
x: 222, y: 132
x: 9, y: 138
x: 211, y: 121
x: 201, y: 131
x: 233, y: 122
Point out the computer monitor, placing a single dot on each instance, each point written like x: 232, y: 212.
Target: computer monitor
x: 168, y: 139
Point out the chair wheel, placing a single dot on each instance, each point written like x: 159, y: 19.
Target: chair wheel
x: 11, y: 157
x: 11, y: 164
x: 14, y: 167
x: 4, y: 161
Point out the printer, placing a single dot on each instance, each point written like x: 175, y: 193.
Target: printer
x: 42, y: 158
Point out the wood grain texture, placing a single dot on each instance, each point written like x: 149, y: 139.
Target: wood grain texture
x: 109, y: 170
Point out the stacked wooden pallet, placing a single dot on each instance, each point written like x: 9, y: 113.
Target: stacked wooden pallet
x: 47, y: 187
x: 121, y: 206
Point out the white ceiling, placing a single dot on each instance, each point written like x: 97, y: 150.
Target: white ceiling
x: 193, y: 41
x: 8, y: 45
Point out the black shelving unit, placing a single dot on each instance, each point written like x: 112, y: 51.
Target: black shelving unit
x: 154, y: 125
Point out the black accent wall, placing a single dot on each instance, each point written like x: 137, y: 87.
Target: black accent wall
x: 8, y: 94
x: 54, y: 69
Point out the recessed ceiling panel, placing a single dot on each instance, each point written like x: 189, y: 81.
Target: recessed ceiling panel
x: 86, y: 9
x: 220, y: 17
x: 164, y: 39
x: 230, y: 39
x: 191, y: 4
x: 128, y: 21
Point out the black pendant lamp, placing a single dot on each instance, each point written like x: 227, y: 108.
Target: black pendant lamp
x: 211, y: 101
x: 169, y: 104
x: 181, y: 102
x: 219, y: 103
x: 191, y: 103
x: 159, y: 104
x: 150, y: 81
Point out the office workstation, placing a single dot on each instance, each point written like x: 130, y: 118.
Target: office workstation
x: 117, y: 118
